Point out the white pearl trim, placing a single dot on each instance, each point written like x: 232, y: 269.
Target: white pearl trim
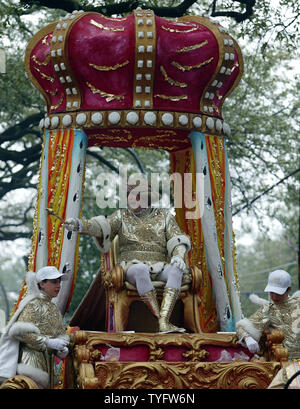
x: 81, y: 118
x: 114, y: 118
x: 150, y: 118
x: 167, y: 119
x: 132, y: 118
x: 97, y: 118
x: 67, y: 120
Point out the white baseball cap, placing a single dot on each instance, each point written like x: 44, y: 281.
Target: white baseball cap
x: 279, y: 281
x: 48, y: 273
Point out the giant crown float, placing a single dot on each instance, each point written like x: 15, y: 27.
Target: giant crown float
x: 146, y: 81
x: 142, y: 80
x: 137, y: 72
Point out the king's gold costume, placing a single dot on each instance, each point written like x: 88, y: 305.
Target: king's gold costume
x: 151, y: 238
x: 284, y: 316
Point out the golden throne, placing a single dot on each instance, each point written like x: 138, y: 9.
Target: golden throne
x: 122, y: 295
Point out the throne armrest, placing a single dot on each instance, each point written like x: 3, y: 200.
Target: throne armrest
x: 113, y: 278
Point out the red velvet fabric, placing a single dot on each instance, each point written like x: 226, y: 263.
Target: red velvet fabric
x: 140, y: 353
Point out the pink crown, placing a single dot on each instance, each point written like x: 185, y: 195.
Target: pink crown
x: 139, y: 71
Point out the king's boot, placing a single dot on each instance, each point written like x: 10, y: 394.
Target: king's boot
x: 150, y: 300
x: 170, y: 296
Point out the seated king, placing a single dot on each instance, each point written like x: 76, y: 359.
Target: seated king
x: 152, y: 247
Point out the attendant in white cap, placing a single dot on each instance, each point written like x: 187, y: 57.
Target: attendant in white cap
x: 282, y: 312
x: 35, y: 332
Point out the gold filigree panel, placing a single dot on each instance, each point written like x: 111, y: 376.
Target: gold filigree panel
x: 185, y: 375
x: 19, y: 382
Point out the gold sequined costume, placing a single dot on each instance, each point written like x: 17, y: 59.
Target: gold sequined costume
x: 24, y: 339
x: 151, y: 238
x: 44, y: 314
x: 284, y: 316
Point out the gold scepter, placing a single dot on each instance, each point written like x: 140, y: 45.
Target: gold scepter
x: 52, y: 213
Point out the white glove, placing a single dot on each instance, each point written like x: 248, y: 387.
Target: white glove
x: 62, y: 353
x: 57, y: 343
x: 252, y: 345
x: 179, y: 262
x: 72, y: 224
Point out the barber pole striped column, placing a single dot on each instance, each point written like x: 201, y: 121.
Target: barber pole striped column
x: 61, y: 190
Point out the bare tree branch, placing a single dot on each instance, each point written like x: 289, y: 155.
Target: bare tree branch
x: 103, y: 160
x: 135, y: 157
x: 115, y: 8
x: 237, y: 16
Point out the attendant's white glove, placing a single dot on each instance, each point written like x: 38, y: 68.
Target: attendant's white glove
x: 73, y: 224
x: 57, y: 343
x: 252, y: 345
x: 62, y: 353
x: 179, y: 262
